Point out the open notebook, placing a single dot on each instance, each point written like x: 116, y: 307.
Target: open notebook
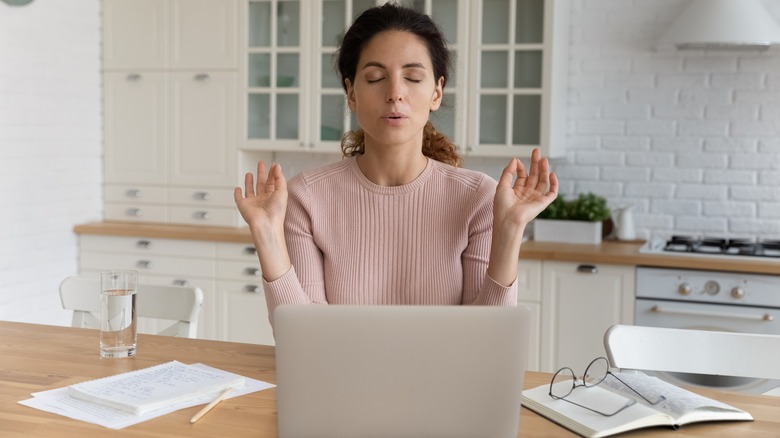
x: 400, y: 371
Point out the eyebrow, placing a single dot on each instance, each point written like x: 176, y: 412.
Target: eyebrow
x: 380, y: 65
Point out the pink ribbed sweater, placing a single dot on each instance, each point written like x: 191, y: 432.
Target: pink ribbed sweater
x: 354, y: 242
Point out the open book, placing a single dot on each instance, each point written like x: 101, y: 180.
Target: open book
x: 145, y: 390
x: 679, y: 407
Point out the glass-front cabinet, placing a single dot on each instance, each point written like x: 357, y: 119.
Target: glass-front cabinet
x: 501, y: 98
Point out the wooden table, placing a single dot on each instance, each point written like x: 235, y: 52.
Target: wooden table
x: 38, y: 357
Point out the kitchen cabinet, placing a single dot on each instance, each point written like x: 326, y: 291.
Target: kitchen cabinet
x: 580, y: 302
x: 234, y: 307
x: 170, y: 102
x: 529, y: 295
x: 506, y: 94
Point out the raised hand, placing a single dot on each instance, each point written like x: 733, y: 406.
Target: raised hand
x: 519, y: 203
x: 514, y: 206
x: 263, y: 206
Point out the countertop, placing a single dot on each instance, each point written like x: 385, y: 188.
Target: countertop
x: 615, y: 252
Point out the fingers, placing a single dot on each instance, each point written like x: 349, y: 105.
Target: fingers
x: 508, y: 173
x: 276, y: 175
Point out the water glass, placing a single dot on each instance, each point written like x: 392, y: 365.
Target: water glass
x: 118, y: 320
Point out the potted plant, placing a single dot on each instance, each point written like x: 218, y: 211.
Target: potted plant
x: 575, y: 221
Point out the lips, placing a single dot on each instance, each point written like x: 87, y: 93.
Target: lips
x: 394, y: 116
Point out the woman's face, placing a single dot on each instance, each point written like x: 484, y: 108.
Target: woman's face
x: 394, y: 89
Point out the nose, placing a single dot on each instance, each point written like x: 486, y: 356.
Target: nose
x: 395, y: 91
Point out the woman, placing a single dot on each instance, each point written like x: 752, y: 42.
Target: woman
x: 395, y: 222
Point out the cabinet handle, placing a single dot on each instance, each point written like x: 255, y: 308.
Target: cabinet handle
x: 588, y: 269
x: 202, y: 215
x: 145, y: 244
x: 253, y: 288
x: 255, y: 272
x: 134, y: 212
x: 201, y: 196
x: 250, y: 250
x: 202, y: 77
x: 179, y: 282
x: 134, y: 193
x: 134, y: 77
x: 145, y: 264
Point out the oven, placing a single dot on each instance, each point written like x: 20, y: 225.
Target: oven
x: 710, y: 300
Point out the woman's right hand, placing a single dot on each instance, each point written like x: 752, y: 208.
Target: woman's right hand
x: 263, y: 206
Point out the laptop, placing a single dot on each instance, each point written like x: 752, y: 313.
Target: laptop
x: 400, y: 371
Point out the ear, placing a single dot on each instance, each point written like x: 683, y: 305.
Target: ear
x: 350, y: 95
x: 438, y: 94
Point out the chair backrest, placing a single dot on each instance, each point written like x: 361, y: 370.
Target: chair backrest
x: 693, y: 351
x: 180, y: 304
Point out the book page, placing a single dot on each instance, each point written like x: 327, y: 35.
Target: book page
x: 678, y: 400
x: 150, y: 388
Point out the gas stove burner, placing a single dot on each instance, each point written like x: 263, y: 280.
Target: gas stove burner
x: 723, y: 246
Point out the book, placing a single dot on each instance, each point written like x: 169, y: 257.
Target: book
x: 141, y: 391
x: 679, y: 407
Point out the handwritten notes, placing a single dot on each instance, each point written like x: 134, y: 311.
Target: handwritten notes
x: 138, y: 392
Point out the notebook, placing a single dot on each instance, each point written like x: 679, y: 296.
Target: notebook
x: 400, y: 371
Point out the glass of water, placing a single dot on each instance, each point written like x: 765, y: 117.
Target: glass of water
x: 118, y: 320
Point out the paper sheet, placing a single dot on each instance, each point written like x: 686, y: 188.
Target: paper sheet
x: 58, y: 402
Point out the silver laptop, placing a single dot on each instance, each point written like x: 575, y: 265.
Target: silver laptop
x: 400, y: 371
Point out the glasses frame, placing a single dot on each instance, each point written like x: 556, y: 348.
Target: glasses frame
x: 589, y: 384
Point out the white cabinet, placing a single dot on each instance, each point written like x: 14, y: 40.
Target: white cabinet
x: 242, y: 300
x: 234, y: 307
x: 158, y: 261
x: 170, y: 101
x: 529, y: 295
x: 176, y: 34
x: 580, y: 302
x: 506, y: 94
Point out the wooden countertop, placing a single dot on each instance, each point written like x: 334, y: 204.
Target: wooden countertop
x: 621, y: 253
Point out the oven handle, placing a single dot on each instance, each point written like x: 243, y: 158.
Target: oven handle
x: 764, y: 317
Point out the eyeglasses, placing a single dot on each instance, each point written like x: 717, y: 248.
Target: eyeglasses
x: 564, y: 382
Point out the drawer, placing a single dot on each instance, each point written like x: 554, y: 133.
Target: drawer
x: 224, y: 217
x: 237, y: 251
x: 202, y: 196
x: 145, y: 246
x: 240, y: 271
x: 151, y: 265
x: 127, y: 212
x: 135, y: 194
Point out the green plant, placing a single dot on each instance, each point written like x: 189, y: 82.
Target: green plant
x: 586, y: 207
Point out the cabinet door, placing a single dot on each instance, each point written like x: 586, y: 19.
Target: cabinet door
x: 517, y: 88
x: 579, y: 303
x: 274, y: 83
x: 203, y: 34
x: 134, y: 34
x: 202, y: 129
x: 135, y: 107
x: 244, y: 313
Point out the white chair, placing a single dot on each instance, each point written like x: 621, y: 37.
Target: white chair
x: 693, y: 351
x: 180, y: 304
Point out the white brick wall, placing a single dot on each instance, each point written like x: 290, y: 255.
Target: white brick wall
x: 50, y: 149
x: 688, y: 138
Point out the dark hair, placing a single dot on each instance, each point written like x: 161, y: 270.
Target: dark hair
x: 394, y: 17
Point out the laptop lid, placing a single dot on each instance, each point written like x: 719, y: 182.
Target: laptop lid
x: 400, y: 371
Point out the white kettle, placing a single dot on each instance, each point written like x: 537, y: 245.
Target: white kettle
x: 624, y: 220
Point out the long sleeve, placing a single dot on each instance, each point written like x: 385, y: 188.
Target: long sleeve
x: 354, y: 242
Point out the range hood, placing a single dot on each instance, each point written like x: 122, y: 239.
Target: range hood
x: 722, y: 25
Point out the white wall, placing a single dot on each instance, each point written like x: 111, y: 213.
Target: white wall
x: 691, y: 139
x: 50, y: 149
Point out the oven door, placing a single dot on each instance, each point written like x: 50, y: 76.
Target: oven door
x: 701, y: 316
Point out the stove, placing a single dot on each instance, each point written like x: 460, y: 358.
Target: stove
x: 734, y: 248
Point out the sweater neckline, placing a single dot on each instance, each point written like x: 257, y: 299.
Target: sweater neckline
x: 415, y: 184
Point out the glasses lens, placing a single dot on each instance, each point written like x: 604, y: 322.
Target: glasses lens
x: 562, y: 383
x: 596, y: 372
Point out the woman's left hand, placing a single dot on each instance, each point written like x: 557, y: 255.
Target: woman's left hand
x: 515, y: 205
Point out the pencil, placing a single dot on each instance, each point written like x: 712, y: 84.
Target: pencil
x: 208, y: 407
